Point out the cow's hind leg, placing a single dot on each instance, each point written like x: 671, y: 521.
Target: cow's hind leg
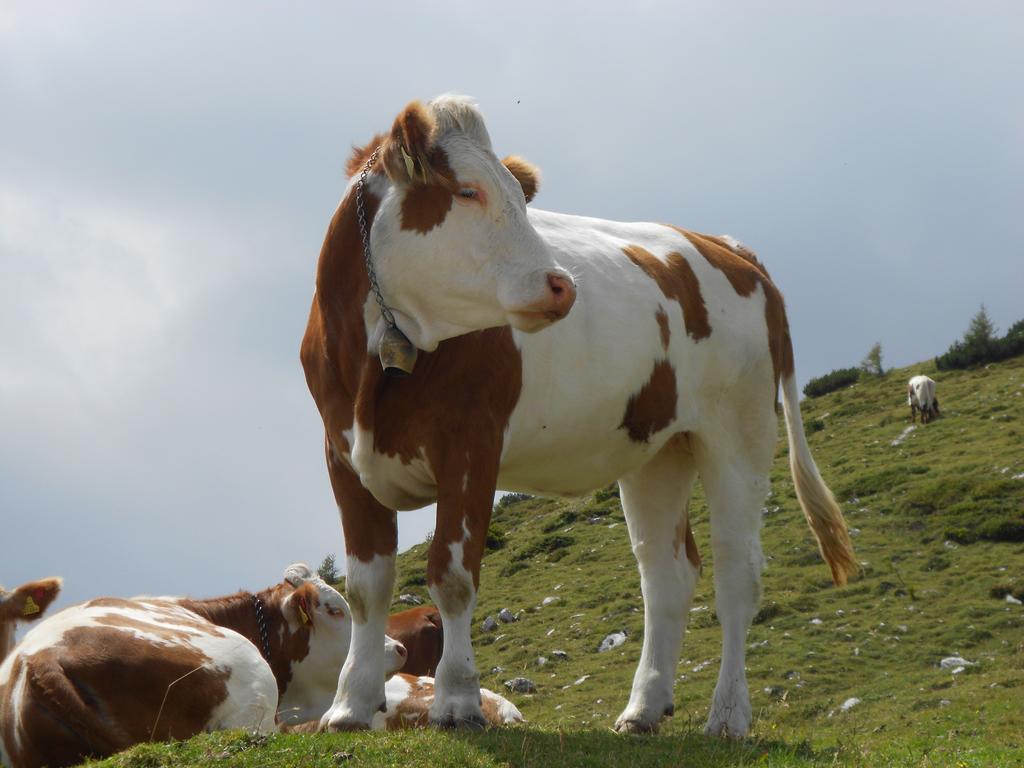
x: 453, y: 574
x: 655, y: 500
x: 371, y: 539
x: 734, y: 463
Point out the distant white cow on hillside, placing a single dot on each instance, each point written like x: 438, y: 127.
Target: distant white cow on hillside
x: 921, y: 397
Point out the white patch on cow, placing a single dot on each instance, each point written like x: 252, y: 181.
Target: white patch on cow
x: 508, y: 712
x: 394, y: 483
x: 17, y: 700
x: 396, y: 691
x: 251, y: 701
x: 360, y: 689
x: 457, y: 681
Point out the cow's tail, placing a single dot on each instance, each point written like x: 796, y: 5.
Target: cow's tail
x: 819, y: 505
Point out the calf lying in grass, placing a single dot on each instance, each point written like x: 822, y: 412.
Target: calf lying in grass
x: 99, y: 677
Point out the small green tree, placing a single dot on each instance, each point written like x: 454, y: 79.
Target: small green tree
x: 872, y: 362
x: 328, y: 570
x: 981, y: 333
x: 979, y: 345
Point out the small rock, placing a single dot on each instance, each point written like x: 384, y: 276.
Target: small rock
x: 497, y: 670
x: 775, y: 692
x: 849, y: 704
x: 614, y: 640
x: 541, y: 661
x: 956, y: 664
x: 341, y: 757
x: 1012, y: 600
x: 410, y: 599
x: 550, y: 632
x: 490, y: 624
x: 549, y: 600
x: 582, y: 680
x: 816, y: 621
x: 520, y: 685
x: 944, y: 702
x: 950, y: 545
x: 506, y: 616
x: 560, y: 655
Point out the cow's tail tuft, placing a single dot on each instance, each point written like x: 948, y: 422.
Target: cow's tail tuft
x: 819, y: 505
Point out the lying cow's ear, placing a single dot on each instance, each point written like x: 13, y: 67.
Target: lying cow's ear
x: 406, y: 153
x: 526, y: 173
x: 30, y: 601
x: 300, y: 606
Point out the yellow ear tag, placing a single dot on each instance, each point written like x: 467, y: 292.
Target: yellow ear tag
x: 303, y: 615
x: 410, y: 166
x: 30, y: 607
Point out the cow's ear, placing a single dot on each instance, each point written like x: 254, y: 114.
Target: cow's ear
x: 300, y: 606
x: 407, y: 150
x: 30, y: 601
x: 526, y: 173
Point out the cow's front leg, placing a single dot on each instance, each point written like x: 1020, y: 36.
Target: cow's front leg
x: 371, y: 538
x: 453, y: 574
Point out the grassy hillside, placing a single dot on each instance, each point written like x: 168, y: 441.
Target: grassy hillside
x: 938, y: 520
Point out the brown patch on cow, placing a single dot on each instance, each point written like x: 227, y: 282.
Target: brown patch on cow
x: 654, y: 407
x: 526, y: 173
x: 417, y: 415
x: 421, y: 632
x: 426, y: 206
x: 745, y: 272
x: 361, y: 155
x: 676, y: 279
x: 666, y: 334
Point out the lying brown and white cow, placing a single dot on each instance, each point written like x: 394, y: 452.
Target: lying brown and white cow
x: 921, y: 397
x: 408, y: 700
x: 420, y: 631
x: 98, y: 677
x: 557, y: 353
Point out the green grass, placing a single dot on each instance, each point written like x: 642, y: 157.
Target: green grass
x: 938, y: 519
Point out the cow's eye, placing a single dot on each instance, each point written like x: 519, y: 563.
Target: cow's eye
x: 468, y: 193
x: 338, y: 612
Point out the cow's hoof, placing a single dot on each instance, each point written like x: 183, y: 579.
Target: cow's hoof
x: 339, y: 720
x: 733, y: 724
x: 633, y: 726
x: 452, y: 722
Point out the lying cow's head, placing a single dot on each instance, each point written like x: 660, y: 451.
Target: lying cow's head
x: 452, y: 246
x: 25, y: 603
x: 320, y: 608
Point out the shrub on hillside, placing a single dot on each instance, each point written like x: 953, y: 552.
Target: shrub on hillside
x: 872, y: 362
x: 981, y: 345
x: 830, y: 382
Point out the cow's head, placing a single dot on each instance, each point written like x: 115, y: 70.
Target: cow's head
x: 319, y: 608
x: 25, y: 603
x: 452, y: 245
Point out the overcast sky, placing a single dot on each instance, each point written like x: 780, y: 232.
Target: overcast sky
x: 167, y: 172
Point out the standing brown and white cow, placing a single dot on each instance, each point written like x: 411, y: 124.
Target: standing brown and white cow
x: 557, y: 353
x: 98, y: 677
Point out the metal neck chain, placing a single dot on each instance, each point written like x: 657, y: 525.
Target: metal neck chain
x: 389, y: 318
x: 261, y: 622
